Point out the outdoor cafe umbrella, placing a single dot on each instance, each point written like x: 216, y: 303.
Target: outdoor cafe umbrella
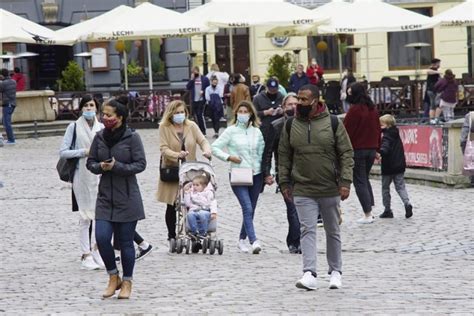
x: 148, y: 21
x: 377, y: 16
x: 231, y: 14
x: 368, y: 16
x: 76, y: 33
x: 14, y: 28
x: 459, y: 15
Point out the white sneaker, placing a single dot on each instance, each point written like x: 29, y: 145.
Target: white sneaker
x: 365, y: 220
x: 256, y: 248
x: 308, y: 281
x: 243, y: 246
x: 88, y: 263
x: 335, y: 281
x: 98, y: 259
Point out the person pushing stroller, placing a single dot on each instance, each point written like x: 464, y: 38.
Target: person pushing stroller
x: 200, y: 199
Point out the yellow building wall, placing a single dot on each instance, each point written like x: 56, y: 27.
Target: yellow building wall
x: 450, y: 45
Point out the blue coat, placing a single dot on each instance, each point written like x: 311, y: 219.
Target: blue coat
x: 204, y: 84
x: 297, y: 82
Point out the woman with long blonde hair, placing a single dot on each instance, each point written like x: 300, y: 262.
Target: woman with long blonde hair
x: 178, y: 139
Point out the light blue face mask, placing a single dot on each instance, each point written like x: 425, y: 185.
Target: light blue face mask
x: 179, y: 118
x: 243, y: 118
x: 88, y: 115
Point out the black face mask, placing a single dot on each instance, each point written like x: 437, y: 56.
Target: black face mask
x: 214, y: 86
x: 303, y: 111
x: 290, y: 112
x: 255, y: 82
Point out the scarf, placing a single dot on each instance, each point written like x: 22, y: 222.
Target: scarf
x: 85, y: 184
x: 112, y: 137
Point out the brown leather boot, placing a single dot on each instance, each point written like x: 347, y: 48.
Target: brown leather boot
x: 126, y: 289
x: 114, y: 284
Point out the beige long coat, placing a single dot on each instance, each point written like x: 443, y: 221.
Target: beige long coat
x: 170, y: 147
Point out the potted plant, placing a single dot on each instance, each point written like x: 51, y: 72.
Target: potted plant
x: 72, y: 78
x: 280, y: 67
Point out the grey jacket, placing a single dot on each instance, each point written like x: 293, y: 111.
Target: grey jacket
x: 8, y: 91
x: 119, y: 198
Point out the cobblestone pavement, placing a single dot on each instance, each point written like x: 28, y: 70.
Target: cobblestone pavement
x: 423, y: 265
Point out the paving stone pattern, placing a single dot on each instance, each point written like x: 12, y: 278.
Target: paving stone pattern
x: 423, y: 265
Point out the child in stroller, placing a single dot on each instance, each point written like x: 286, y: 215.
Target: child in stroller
x: 196, y: 210
x: 202, y: 207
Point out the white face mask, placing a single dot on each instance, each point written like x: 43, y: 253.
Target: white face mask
x: 243, y: 118
x: 179, y: 118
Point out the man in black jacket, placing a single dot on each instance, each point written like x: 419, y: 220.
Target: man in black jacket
x: 393, y: 166
x: 271, y: 149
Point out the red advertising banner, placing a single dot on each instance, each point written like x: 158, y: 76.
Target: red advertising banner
x: 423, y: 146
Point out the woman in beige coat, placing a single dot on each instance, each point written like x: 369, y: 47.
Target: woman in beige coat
x: 176, y: 129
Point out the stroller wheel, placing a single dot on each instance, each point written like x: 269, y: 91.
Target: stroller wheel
x: 188, y: 246
x: 172, y: 242
x: 179, y: 246
x: 220, y: 247
x: 195, y: 246
x: 204, y: 245
x: 212, y: 247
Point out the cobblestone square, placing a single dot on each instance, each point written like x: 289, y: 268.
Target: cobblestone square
x: 424, y: 265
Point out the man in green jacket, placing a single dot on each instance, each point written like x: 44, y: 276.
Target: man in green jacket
x: 315, y: 167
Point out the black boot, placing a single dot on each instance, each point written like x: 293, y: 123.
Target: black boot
x: 408, y: 211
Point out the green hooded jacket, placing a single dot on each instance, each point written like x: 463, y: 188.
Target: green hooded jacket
x: 314, y: 160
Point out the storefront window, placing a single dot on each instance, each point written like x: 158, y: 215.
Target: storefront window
x: 324, y: 49
x: 401, y: 57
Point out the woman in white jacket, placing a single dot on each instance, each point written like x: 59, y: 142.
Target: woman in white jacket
x: 85, y: 183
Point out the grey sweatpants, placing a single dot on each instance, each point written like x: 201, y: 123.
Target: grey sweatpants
x: 308, y: 210
x: 399, y: 181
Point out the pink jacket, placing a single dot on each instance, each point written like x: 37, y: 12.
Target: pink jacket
x: 201, y: 200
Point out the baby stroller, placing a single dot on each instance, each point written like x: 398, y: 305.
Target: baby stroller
x: 184, y: 239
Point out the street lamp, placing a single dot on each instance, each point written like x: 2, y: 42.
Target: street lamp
x: 356, y: 49
x: 417, y: 47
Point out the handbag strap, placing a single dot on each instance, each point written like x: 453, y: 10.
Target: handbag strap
x: 74, y: 136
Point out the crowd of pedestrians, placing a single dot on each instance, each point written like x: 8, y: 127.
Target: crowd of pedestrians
x: 291, y: 139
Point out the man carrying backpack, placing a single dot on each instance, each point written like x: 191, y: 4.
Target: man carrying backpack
x: 315, y: 171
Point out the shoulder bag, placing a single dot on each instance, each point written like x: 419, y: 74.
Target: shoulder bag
x: 170, y: 174
x: 67, y: 167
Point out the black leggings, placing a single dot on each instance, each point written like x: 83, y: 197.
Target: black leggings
x: 170, y: 218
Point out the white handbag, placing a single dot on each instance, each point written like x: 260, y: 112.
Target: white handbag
x: 241, y: 176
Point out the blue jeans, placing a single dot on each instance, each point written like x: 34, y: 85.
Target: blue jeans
x: 125, y: 232
x: 363, y: 161
x: 248, y: 196
x: 199, y: 221
x: 198, y: 113
x: 7, y: 121
x: 293, y: 237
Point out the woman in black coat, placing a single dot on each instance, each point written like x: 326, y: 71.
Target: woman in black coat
x: 117, y: 154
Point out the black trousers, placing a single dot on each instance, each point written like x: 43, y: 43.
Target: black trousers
x: 363, y: 161
x: 170, y: 218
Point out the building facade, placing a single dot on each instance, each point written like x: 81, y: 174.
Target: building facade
x: 169, y: 61
x: 387, y: 55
